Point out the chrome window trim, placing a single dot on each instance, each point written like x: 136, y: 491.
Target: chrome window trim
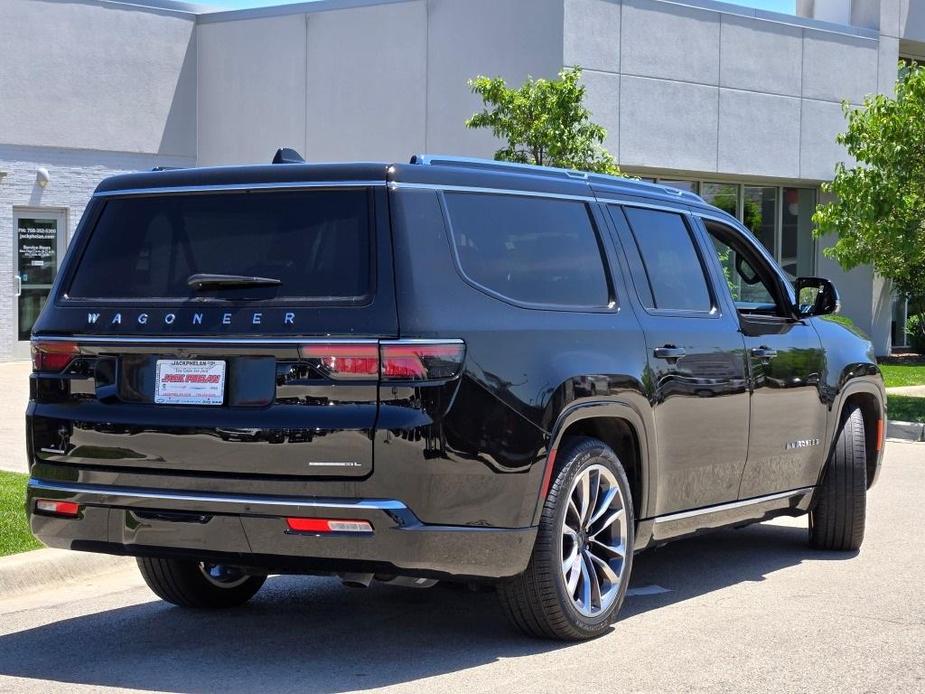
x: 205, y: 497
x: 682, y: 515
x: 237, y: 187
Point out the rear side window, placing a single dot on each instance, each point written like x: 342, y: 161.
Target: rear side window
x: 674, y: 273
x: 316, y: 243
x: 531, y: 250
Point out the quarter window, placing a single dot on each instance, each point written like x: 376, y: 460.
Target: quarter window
x: 672, y: 265
x: 532, y: 250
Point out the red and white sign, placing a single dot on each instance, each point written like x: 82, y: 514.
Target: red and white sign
x: 189, y: 382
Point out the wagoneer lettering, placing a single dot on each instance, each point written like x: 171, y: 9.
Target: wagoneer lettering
x: 449, y: 369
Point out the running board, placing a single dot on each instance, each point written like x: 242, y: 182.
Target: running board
x: 676, y: 525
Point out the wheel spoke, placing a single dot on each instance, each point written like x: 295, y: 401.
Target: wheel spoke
x: 572, y: 513
x: 585, y: 600
x: 573, y: 575
x: 612, y: 550
x: 594, y: 482
x: 570, y: 559
x: 604, y: 504
x: 607, y: 522
x: 612, y: 576
x: 584, y: 492
x: 593, y: 580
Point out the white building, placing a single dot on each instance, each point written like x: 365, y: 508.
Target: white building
x: 738, y: 104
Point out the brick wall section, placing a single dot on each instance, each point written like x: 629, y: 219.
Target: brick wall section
x: 73, y: 176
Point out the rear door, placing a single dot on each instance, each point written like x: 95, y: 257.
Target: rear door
x: 221, y: 375
x: 696, y: 376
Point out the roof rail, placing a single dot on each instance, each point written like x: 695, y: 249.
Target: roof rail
x: 287, y: 155
x: 165, y: 168
x: 630, y: 184
x: 514, y: 167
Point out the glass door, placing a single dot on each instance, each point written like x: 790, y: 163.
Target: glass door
x: 39, y: 239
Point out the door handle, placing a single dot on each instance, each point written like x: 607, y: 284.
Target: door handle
x: 18, y: 285
x: 763, y: 352
x: 669, y: 352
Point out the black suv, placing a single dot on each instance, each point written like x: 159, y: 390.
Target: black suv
x: 448, y: 369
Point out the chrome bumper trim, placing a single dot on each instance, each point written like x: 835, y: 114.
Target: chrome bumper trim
x: 206, y: 497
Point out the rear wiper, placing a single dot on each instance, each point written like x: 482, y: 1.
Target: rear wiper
x: 202, y: 280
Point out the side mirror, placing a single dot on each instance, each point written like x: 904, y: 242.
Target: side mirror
x: 816, y: 296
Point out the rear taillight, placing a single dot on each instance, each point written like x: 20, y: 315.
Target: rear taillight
x: 52, y: 356
x: 328, y: 525
x: 357, y: 361
x: 399, y: 360
x: 423, y: 361
x: 53, y: 507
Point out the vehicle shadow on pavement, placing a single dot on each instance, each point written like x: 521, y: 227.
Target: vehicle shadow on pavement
x: 311, y: 634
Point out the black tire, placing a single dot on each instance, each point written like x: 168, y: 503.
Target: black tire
x: 836, y: 521
x: 537, y: 601
x: 184, y: 583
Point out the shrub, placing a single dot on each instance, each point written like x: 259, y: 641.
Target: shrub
x: 915, y: 329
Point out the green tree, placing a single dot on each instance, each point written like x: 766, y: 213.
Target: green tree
x: 879, y: 207
x: 543, y: 122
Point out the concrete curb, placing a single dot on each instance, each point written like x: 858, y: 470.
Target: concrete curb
x: 40, y: 569
x: 905, y: 431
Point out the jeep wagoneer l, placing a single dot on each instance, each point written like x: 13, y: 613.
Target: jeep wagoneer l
x: 444, y: 370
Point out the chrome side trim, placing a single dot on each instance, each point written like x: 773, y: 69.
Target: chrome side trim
x: 208, y: 341
x: 235, y: 187
x: 205, y: 497
x: 732, y: 506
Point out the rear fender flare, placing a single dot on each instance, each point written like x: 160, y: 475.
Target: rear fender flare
x: 611, y: 409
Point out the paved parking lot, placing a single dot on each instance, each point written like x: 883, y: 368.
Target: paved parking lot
x: 739, y: 610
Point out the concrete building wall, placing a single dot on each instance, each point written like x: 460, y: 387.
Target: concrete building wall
x: 97, y: 75
x: 367, y: 82
x: 911, y: 20
x: 722, y: 90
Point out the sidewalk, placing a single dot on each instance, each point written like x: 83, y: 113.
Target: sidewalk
x: 14, y: 395
x: 914, y: 391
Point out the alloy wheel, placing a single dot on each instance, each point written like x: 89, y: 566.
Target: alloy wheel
x: 594, y: 539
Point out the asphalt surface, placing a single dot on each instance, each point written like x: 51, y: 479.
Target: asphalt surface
x: 739, y: 610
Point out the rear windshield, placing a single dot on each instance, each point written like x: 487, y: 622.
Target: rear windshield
x: 316, y: 244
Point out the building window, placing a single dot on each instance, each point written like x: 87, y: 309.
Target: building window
x: 760, y: 215
x: 725, y: 196
x: 780, y: 217
x: 797, y: 253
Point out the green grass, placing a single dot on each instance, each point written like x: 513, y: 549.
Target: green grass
x: 903, y: 374
x: 905, y: 408
x: 14, y: 530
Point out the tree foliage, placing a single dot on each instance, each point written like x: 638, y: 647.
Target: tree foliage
x: 543, y: 122
x: 879, y: 207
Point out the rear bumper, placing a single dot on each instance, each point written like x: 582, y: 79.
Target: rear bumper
x: 251, y: 531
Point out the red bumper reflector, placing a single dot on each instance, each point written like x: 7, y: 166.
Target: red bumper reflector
x: 65, y: 509
x: 879, y: 434
x: 328, y: 525
x: 547, y: 475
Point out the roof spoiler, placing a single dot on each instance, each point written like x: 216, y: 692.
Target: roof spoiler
x: 286, y: 155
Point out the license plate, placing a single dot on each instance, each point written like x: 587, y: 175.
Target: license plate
x: 189, y: 382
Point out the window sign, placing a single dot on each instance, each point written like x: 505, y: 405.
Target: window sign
x: 38, y: 244
x: 37, y: 256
